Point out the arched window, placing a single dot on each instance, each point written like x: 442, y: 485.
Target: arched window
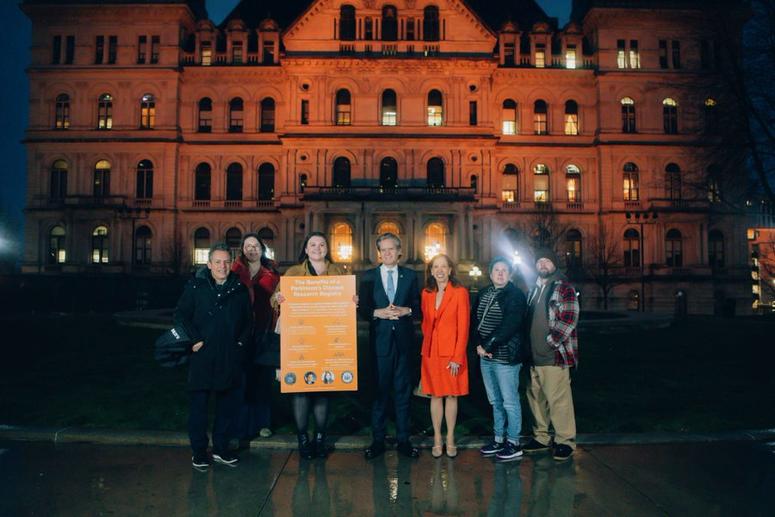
x: 388, y: 173
x: 573, y: 248
x: 101, y: 178
x: 62, y: 112
x: 628, y: 115
x: 267, y: 115
x: 673, y: 181
x: 266, y: 182
x: 510, y: 184
x: 541, y: 237
x: 711, y: 115
x: 573, y: 183
x: 233, y: 240
x: 144, y: 187
x: 205, y: 106
x: 435, y: 173
x: 435, y: 240
x: 343, y: 112
x: 201, y: 245
x: 631, y: 246
x: 58, y: 184
x: 105, y: 111
x: 234, y: 182
x: 571, y: 118
x: 430, y: 23
x: 673, y: 248
x: 143, y: 239
x: 541, y: 183
x: 347, y: 23
x: 202, y: 182
x: 342, y: 242
x: 509, y: 115
x: 631, y: 181
x: 716, y: 249
x: 388, y: 227
x: 147, y: 111
x: 435, y: 108
x: 540, y: 111
x: 236, y: 115
x: 100, y: 245
x: 267, y: 237
x: 389, y: 23
x: 670, y: 116
x: 389, y: 108
x: 342, y: 172
x: 56, y: 246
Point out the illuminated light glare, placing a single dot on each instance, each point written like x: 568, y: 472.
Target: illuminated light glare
x: 345, y: 252
x: 269, y: 253
x: 432, y: 250
x: 475, y: 272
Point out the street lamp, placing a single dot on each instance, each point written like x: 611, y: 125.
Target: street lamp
x: 641, y: 218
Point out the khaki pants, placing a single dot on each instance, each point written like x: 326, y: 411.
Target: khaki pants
x: 550, y: 399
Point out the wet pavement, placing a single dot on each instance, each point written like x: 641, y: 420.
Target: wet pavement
x: 678, y: 479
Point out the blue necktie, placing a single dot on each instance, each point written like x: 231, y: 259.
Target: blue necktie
x: 391, y: 287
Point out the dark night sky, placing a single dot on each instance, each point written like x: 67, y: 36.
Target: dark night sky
x: 15, y: 40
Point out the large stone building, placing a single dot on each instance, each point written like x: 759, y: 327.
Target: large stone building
x: 153, y: 133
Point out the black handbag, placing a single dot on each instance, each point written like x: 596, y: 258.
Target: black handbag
x: 267, y: 349
x: 172, y: 348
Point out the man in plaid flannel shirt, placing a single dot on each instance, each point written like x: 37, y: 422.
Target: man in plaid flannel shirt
x: 553, y: 315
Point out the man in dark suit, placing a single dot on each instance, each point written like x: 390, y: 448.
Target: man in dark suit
x: 389, y: 298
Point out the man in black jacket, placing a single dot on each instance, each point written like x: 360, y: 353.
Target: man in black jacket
x: 389, y: 298
x: 215, y: 311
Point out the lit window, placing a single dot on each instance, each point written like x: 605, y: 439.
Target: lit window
x: 342, y: 242
x: 100, y: 244
x: 62, y: 112
x: 621, y: 54
x: 236, y: 52
x: 510, y: 184
x: 206, y: 55
x: 540, y: 110
x: 540, y: 55
x: 571, y: 118
x: 201, y: 245
x: 388, y: 227
x: 631, y: 182
x: 343, y: 108
x: 570, y: 56
x: 147, y: 111
x: 634, y: 54
x: 509, y: 117
x: 57, y: 253
x: 105, y: 111
x: 541, y: 183
x: 435, y: 108
x: 435, y: 240
x: 573, y: 183
x: 670, y: 115
x: 102, y: 179
x: 236, y: 115
x: 389, y: 108
x: 628, y: 115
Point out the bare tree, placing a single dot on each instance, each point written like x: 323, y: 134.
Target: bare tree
x: 605, y: 266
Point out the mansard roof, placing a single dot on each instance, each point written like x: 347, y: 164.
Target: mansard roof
x: 581, y: 7
x: 196, y: 6
x: 493, y: 13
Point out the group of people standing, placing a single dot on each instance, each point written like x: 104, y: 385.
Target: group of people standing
x: 228, y: 309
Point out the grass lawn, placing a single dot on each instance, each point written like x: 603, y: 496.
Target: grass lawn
x: 705, y: 375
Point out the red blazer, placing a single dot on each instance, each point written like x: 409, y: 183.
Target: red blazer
x: 261, y: 287
x: 446, y: 328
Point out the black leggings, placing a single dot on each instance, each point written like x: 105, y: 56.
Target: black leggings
x: 301, y: 409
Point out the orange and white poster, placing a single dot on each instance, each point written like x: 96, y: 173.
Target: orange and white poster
x: 318, y: 334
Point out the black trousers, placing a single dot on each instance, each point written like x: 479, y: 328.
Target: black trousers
x: 226, y: 404
x: 392, y: 380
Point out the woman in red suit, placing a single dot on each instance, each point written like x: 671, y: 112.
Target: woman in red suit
x: 445, y: 320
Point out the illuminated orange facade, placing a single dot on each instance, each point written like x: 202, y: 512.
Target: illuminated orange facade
x: 153, y: 133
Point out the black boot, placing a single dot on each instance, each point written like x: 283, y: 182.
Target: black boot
x: 306, y: 450
x: 320, y: 445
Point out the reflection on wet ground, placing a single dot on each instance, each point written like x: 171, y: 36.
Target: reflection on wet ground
x: 693, y: 479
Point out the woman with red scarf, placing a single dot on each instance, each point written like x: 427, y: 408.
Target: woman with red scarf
x: 258, y: 273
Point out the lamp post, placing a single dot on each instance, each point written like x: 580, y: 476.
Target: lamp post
x: 641, y: 218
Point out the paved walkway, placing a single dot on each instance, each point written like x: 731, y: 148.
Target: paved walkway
x: 726, y: 478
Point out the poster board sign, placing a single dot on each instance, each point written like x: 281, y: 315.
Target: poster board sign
x: 318, y: 334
